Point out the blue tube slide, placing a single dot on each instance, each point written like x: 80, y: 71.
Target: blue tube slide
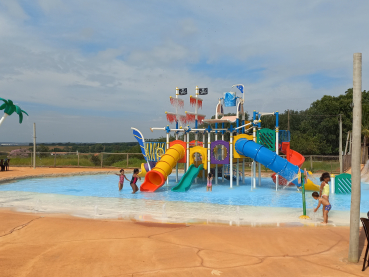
x: 267, y: 158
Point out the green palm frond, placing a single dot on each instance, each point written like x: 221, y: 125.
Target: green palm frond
x: 17, y: 109
x: 21, y: 116
x: 4, y: 105
x: 9, y: 108
x: 20, y: 112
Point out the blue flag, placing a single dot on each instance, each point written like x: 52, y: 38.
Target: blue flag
x: 141, y: 141
x: 240, y: 87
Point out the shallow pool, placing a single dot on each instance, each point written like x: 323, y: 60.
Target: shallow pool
x: 107, y: 186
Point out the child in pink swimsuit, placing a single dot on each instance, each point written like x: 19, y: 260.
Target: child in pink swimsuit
x: 209, y: 185
x: 121, y: 179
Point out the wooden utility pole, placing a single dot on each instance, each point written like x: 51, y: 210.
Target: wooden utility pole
x: 288, y: 120
x: 353, y: 255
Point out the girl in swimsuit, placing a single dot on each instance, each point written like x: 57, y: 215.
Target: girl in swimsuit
x: 134, y: 180
x: 324, y: 187
x: 209, y: 185
x: 121, y: 179
x: 326, y: 206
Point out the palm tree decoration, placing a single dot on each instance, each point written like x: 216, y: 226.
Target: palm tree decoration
x: 9, y: 108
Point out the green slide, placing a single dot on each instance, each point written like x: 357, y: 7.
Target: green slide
x: 187, y: 179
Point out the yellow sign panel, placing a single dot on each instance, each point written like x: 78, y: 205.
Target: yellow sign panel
x: 235, y: 138
x: 201, y: 159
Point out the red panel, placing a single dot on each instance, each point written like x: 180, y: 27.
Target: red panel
x: 193, y: 143
x: 293, y: 157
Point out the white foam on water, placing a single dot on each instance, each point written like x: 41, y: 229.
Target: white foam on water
x: 160, y: 211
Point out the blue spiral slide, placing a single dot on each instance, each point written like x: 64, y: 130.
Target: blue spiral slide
x: 267, y: 158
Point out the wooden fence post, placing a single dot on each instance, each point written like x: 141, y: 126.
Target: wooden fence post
x: 127, y: 159
x: 311, y: 163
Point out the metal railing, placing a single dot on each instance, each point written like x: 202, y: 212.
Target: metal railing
x: 75, y: 159
x: 315, y: 163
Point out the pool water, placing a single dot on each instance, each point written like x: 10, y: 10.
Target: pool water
x: 107, y: 186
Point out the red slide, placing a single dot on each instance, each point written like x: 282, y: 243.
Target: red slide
x: 293, y: 157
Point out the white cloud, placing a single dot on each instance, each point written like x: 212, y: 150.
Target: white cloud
x: 95, y: 65
x: 51, y: 5
x: 14, y: 9
x: 169, y: 53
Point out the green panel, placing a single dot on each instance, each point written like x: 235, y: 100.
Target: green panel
x: 266, y: 137
x: 343, y: 183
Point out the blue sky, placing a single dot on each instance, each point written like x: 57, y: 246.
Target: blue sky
x: 87, y: 71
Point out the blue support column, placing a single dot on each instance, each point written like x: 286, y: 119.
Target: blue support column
x: 277, y: 144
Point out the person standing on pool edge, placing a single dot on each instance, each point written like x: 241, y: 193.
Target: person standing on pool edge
x: 121, y: 179
x: 324, y: 187
x: 134, y: 180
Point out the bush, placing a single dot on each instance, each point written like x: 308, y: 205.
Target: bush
x: 112, y: 159
x: 19, y: 153
x: 95, y: 159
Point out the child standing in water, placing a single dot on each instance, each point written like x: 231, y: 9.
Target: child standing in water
x: 209, y: 185
x: 324, y: 187
x: 326, y: 206
x: 134, y: 180
x: 121, y: 179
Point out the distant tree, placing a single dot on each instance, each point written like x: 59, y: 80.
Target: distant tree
x: 98, y: 148
x: 42, y: 148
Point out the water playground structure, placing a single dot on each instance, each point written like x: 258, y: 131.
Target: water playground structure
x: 247, y: 139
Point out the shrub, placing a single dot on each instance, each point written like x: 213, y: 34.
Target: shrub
x: 95, y: 159
x: 19, y: 153
x: 112, y: 159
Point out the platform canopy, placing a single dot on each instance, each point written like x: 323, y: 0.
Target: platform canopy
x: 224, y: 119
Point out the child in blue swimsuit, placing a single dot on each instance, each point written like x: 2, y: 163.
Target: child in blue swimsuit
x: 326, y: 206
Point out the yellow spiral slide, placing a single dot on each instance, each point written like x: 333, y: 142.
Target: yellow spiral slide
x: 156, y: 177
